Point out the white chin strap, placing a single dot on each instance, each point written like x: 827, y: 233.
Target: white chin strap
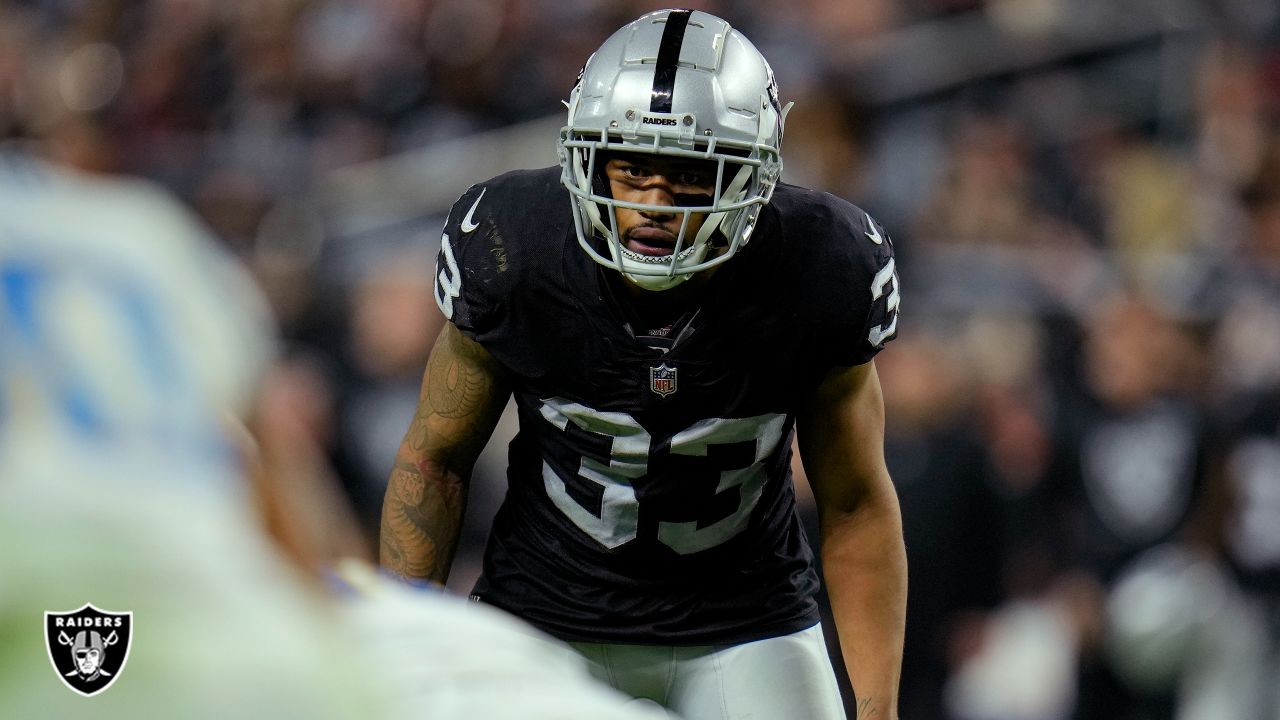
x: 658, y: 282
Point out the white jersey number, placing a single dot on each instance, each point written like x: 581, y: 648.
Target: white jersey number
x: 630, y: 446
x: 886, y: 281
x: 448, y: 278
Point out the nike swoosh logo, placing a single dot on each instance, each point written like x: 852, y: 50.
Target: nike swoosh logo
x: 468, y: 223
x: 874, y: 236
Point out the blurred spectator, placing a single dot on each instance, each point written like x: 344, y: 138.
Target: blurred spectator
x: 985, y: 196
x: 1130, y: 468
x: 393, y: 322
x: 951, y: 513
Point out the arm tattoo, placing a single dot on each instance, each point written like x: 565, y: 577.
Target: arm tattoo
x: 461, y: 396
x: 422, y: 512
x: 458, y: 379
x: 420, y: 522
x: 866, y: 709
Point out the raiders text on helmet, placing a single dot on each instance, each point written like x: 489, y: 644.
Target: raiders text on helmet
x: 684, y: 84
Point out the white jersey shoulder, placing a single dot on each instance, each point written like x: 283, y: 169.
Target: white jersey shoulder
x: 126, y: 336
x: 124, y: 325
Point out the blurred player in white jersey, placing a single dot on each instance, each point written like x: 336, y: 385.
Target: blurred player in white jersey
x: 128, y: 344
x: 131, y: 352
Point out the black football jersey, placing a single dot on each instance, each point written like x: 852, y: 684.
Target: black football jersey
x: 649, y: 491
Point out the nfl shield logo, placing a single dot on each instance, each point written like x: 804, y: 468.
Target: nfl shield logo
x: 88, y: 647
x: 662, y: 380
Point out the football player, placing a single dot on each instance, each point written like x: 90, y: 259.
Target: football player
x: 667, y: 314
x: 131, y: 346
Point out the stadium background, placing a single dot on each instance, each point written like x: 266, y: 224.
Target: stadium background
x: 1083, y: 403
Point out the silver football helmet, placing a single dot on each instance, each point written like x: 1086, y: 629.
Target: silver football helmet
x: 676, y: 83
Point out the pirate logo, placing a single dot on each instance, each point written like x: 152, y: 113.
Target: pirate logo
x: 662, y: 379
x: 88, y: 647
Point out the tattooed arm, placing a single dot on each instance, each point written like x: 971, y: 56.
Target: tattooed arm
x: 464, y: 391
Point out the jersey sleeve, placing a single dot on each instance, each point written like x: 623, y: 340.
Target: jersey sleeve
x: 468, y: 277
x: 881, y: 322
x: 856, y: 289
x: 500, y: 266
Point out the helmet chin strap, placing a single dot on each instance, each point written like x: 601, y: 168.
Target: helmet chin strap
x: 656, y: 283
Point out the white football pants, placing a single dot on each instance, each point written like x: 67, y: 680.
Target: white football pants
x: 781, y: 678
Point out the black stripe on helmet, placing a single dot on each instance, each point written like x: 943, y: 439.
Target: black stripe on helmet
x: 664, y: 72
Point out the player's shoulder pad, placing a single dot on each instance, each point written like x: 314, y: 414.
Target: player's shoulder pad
x: 822, y: 226
x: 498, y: 233
x: 843, y: 261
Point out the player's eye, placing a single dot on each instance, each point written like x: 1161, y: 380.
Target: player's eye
x: 635, y: 171
x: 691, y: 178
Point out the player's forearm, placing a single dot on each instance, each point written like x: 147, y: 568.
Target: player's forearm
x: 421, y: 519
x: 865, y: 567
x: 463, y: 394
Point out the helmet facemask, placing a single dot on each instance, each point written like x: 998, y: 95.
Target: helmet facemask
x: 610, y: 113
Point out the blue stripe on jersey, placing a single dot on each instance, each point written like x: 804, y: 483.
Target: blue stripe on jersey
x: 19, y: 285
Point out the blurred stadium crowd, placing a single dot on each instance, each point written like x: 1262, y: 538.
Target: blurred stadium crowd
x: 1084, y: 401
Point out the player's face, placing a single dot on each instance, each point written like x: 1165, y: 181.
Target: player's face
x: 667, y: 182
